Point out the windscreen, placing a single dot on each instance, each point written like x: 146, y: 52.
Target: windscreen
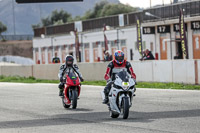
x: 72, y: 75
x: 124, y: 76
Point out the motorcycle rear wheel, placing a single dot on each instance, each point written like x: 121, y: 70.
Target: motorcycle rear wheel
x: 114, y: 114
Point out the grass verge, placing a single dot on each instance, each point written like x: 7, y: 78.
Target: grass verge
x: 25, y: 80
x: 103, y: 83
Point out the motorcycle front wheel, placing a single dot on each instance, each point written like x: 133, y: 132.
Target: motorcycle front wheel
x: 125, y: 107
x: 74, y: 98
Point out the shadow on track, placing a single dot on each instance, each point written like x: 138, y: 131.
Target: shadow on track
x: 97, y: 117
x: 80, y: 109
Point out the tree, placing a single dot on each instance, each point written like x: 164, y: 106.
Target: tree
x: 34, y: 26
x: 95, y: 13
x: 60, y: 16
x: 77, y: 18
x: 56, y: 17
x: 104, y: 8
x: 114, y: 9
x: 3, y: 28
x: 46, y: 21
x: 59, y: 22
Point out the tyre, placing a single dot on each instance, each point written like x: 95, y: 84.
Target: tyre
x: 64, y: 105
x: 125, y: 107
x: 114, y: 114
x: 74, y: 98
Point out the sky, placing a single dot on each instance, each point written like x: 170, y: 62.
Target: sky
x: 144, y: 3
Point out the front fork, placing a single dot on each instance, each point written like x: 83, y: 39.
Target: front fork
x: 77, y: 88
x: 121, y: 96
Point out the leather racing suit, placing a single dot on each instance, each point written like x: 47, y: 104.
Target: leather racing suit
x: 112, y: 69
x: 64, y: 70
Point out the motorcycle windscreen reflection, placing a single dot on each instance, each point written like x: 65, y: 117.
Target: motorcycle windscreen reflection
x: 124, y: 76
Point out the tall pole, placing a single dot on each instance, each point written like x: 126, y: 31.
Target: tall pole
x: 13, y: 7
x: 150, y: 3
x: 40, y: 13
x: 118, y: 39
x: 77, y: 45
x: 171, y: 43
x: 82, y: 46
x: 52, y: 47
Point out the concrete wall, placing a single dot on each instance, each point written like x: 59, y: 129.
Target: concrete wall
x: 180, y: 71
x: 184, y: 71
x: 23, y: 71
x: 46, y: 71
x: 143, y: 70
x: 94, y: 71
x: 162, y: 71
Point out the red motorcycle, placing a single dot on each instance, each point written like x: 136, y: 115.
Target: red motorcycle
x: 71, y: 90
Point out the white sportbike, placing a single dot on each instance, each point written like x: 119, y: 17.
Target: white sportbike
x: 121, y: 95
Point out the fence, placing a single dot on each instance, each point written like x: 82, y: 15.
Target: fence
x: 18, y: 37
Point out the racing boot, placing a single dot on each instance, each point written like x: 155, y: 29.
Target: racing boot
x: 105, y: 101
x: 61, y: 87
x: 61, y: 93
x: 106, y: 92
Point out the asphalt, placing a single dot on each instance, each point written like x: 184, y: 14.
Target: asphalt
x: 36, y: 108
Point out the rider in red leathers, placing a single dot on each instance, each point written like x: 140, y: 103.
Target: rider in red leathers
x: 114, y: 67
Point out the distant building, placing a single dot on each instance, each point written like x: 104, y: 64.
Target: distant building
x: 175, y: 1
x: 160, y: 35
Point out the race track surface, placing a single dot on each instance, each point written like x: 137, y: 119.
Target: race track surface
x: 36, y: 108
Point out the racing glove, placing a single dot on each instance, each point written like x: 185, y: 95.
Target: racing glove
x: 109, y: 80
x: 135, y: 81
x: 81, y: 79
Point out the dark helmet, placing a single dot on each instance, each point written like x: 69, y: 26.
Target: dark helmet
x: 69, y: 60
x: 119, y: 57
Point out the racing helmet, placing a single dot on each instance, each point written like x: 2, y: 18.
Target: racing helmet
x: 69, y: 60
x: 119, y: 57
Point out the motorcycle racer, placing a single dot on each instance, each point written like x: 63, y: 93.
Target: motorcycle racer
x: 68, y: 66
x: 114, y: 67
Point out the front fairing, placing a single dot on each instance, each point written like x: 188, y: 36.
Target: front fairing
x: 131, y: 82
x: 72, y: 82
x: 72, y: 79
x: 125, y: 78
x: 118, y: 81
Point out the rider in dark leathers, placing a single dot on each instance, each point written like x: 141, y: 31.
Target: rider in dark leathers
x: 114, y: 67
x: 68, y: 66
